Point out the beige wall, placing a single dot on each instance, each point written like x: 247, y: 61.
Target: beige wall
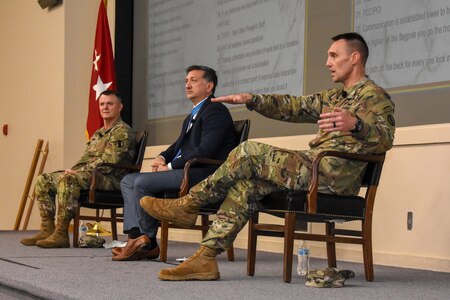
x: 45, y: 67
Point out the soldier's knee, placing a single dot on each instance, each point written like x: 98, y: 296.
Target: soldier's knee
x: 42, y: 178
x: 41, y: 181
x: 248, y: 148
x: 67, y: 180
x: 242, y: 147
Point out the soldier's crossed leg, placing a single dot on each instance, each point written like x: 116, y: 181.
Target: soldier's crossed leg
x: 238, y: 206
x: 253, y: 161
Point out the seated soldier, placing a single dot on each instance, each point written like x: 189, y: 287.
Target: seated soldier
x: 113, y: 143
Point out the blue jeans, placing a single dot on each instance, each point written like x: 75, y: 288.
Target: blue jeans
x: 137, y: 185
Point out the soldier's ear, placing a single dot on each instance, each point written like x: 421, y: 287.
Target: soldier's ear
x: 355, y: 57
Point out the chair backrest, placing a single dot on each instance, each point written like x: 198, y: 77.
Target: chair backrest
x: 372, y: 173
x: 241, y: 127
x: 141, y: 143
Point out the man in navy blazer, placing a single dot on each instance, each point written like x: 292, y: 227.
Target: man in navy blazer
x: 207, y: 132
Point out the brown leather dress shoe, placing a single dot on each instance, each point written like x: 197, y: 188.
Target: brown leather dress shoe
x: 134, y: 250
x: 116, y: 251
x: 140, y: 254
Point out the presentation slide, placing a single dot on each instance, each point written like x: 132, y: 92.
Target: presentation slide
x: 408, y: 40
x: 255, y: 46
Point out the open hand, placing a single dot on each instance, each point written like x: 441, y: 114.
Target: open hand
x: 337, y: 120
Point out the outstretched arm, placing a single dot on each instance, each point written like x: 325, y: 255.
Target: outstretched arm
x: 286, y: 108
x: 234, y: 99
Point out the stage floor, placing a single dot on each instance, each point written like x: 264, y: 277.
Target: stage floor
x: 88, y: 273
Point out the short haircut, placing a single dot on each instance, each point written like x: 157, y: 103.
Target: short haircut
x: 208, y: 74
x: 356, y: 43
x: 111, y: 92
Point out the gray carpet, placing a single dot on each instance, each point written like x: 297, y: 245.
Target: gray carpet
x: 35, y: 273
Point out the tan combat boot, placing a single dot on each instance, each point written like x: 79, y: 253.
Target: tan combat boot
x: 202, y: 265
x: 181, y: 212
x: 59, y: 238
x: 47, y: 228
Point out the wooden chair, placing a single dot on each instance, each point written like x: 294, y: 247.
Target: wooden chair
x: 112, y: 200
x: 312, y: 206
x: 241, y: 128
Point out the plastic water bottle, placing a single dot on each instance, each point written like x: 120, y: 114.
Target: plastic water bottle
x: 82, y: 230
x: 303, y: 259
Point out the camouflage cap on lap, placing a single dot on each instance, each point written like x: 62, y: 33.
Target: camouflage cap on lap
x: 328, y: 278
x: 89, y: 241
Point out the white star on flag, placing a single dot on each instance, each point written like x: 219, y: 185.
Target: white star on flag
x: 97, y: 58
x: 100, y: 87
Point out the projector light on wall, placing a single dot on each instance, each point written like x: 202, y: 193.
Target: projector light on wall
x: 47, y: 3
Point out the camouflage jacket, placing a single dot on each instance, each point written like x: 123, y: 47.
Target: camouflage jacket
x: 366, y: 100
x: 115, y: 145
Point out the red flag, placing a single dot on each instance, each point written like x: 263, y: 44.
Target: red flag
x: 103, y: 76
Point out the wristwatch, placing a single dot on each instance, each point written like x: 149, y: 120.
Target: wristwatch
x: 359, y: 125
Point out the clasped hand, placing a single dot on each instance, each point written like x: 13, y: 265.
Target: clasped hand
x: 159, y: 164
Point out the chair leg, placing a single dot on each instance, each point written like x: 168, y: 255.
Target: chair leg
x: 76, y: 225
x: 289, y: 229
x: 114, y: 223
x: 367, y: 253
x: 204, y: 218
x: 331, y: 246
x: 230, y: 253
x: 251, y: 249
x: 164, y: 240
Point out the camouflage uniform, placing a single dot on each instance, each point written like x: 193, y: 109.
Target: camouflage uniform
x: 254, y: 170
x: 88, y: 241
x: 328, y: 278
x: 114, y: 145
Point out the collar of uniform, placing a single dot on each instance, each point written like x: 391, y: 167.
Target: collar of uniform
x: 351, y: 92
x: 103, y: 130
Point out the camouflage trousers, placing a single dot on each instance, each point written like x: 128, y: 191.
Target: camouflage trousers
x: 251, y: 171
x: 66, y: 189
